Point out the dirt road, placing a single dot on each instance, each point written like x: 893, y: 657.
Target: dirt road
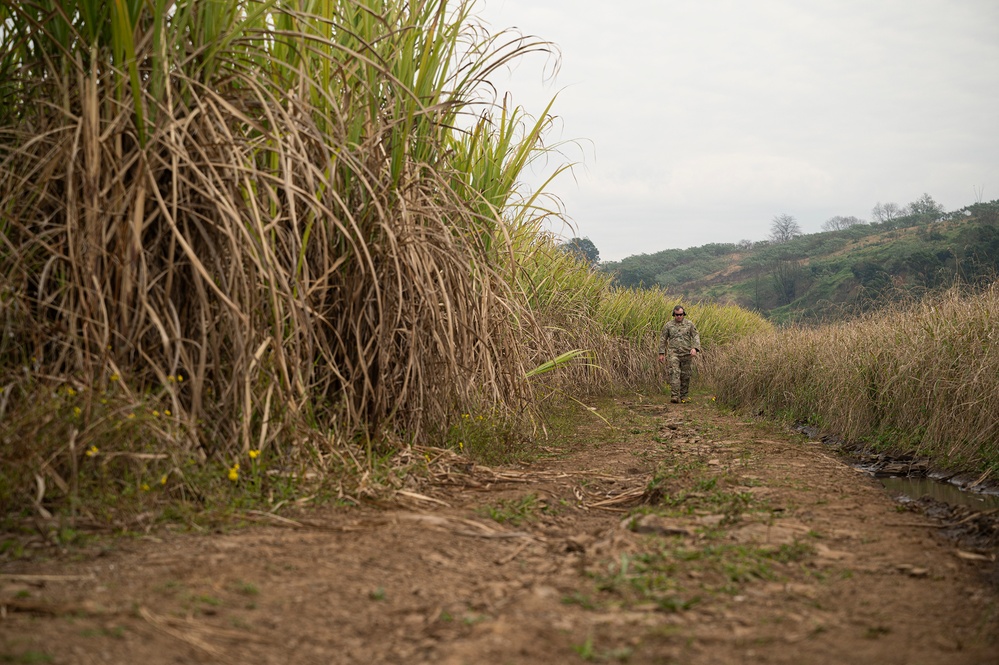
x: 682, y: 534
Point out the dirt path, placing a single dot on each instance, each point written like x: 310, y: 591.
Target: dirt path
x: 752, y: 545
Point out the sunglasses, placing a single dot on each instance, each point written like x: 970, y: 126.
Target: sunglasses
x: 679, y: 314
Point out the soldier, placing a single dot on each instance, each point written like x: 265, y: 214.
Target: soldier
x: 680, y: 339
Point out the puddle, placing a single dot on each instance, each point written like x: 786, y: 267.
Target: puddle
x: 916, y: 488
x: 909, y: 479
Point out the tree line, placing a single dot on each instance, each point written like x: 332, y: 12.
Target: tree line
x: 902, y: 248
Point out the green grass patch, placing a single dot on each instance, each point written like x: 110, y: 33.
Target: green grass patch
x: 30, y: 657
x: 517, y: 511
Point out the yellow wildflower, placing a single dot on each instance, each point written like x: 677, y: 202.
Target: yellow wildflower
x: 254, y: 454
x: 156, y: 414
x: 234, y: 472
x: 145, y: 487
x: 131, y: 415
x: 76, y: 411
x: 70, y: 391
x: 91, y: 451
x: 461, y: 446
x: 114, y: 377
x: 167, y: 413
x: 163, y: 479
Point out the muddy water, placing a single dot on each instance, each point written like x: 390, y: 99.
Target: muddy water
x: 916, y: 488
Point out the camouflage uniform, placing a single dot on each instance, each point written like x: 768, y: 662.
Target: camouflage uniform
x: 676, y: 340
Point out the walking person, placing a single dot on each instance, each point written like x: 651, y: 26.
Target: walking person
x: 679, y: 342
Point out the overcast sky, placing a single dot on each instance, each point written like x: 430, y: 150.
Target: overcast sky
x: 700, y: 120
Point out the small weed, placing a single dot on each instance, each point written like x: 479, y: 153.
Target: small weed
x: 585, y: 650
x: 618, y: 576
x: 377, y: 594
x: 247, y: 588
x: 169, y: 587
x: 516, y: 511
x: 675, y: 604
x: 579, y: 599
x: 620, y: 654
x: 67, y: 536
x: 746, y: 569
x: 202, y: 600
x: 12, y: 548
x: 817, y: 574
x: 705, y: 484
x: 788, y: 553
x: 874, y: 632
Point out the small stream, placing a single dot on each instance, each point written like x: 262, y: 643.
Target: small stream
x: 908, y: 479
x: 909, y: 488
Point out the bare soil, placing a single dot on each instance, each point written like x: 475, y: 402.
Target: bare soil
x: 679, y: 534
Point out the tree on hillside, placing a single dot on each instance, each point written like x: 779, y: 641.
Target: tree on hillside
x: 785, y: 270
x: 583, y: 249
x: 784, y: 227
x: 926, y: 208
x: 839, y: 223
x: 885, y: 212
x: 787, y: 275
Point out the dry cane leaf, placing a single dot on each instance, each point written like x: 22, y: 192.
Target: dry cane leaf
x: 972, y: 556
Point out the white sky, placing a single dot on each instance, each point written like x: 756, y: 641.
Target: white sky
x: 698, y: 121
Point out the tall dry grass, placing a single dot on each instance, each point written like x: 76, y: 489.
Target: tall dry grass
x: 291, y: 229
x: 263, y: 219
x: 922, y: 379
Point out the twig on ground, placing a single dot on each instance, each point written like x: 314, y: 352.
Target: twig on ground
x: 513, y: 555
x: 195, y: 642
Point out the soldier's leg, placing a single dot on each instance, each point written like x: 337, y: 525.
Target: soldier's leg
x: 685, y: 371
x: 674, y: 377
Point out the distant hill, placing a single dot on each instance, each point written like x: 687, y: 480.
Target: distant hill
x: 818, y: 276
